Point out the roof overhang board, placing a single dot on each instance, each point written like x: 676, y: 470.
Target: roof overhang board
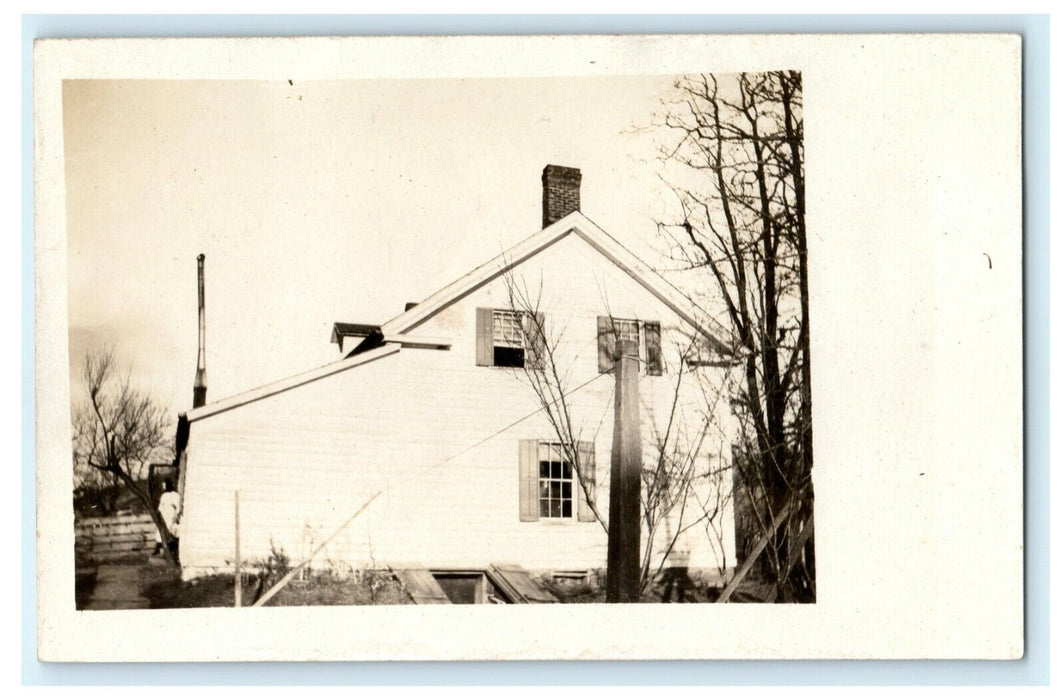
x: 654, y: 283
x: 418, y: 341
x: 483, y: 274
x: 291, y: 382
x: 406, y: 341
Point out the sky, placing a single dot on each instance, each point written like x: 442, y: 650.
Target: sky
x: 319, y: 202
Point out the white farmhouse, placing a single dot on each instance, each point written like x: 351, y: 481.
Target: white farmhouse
x: 434, y: 410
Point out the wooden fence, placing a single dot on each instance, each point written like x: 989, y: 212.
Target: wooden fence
x: 115, y: 537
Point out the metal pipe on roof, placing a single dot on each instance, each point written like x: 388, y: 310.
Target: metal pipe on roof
x: 199, y: 388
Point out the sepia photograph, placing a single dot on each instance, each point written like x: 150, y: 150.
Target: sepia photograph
x: 421, y: 389
x: 355, y: 349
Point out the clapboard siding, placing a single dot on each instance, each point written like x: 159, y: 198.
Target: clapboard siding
x: 409, y: 424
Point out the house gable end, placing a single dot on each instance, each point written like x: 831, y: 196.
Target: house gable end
x: 577, y: 224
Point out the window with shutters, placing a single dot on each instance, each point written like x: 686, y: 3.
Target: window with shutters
x: 550, y: 486
x: 645, y: 334
x: 509, y: 338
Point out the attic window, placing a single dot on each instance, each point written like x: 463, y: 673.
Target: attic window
x: 510, y: 338
x: 626, y: 330
x: 508, y: 342
x: 645, y: 334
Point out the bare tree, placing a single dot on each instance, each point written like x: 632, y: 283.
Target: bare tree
x: 118, y: 430
x: 677, y: 487
x: 551, y: 380
x: 733, y: 155
x: 94, y: 490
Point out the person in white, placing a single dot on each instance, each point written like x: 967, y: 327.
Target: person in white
x: 169, y: 504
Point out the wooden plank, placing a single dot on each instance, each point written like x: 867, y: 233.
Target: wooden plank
x: 301, y: 565
x: 515, y: 582
x: 754, y: 554
x: 122, y: 548
x: 238, y: 581
x: 123, y: 531
x: 118, y: 522
x: 107, y: 541
x: 111, y: 520
x: 103, y: 545
x: 796, y: 551
x: 104, y: 557
x: 422, y: 587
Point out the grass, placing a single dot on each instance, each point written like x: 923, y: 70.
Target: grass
x: 165, y: 589
x: 593, y: 590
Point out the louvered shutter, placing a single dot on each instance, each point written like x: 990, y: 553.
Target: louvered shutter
x: 606, y: 342
x: 587, y: 467
x: 652, y: 331
x: 528, y: 475
x: 485, y: 344
x: 535, y: 334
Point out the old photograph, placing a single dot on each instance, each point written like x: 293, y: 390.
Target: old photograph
x: 438, y: 367
x: 433, y: 348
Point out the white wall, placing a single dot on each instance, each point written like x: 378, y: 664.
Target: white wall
x: 413, y: 423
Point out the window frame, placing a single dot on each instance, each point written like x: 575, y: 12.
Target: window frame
x: 641, y: 340
x: 582, y: 510
x: 562, y: 480
x: 533, y: 350
x: 503, y: 336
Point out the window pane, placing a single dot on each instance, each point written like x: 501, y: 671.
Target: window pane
x: 555, y: 509
x: 507, y: 356
x: 544, y: 508
x: 567, y: 509
x: 544, y: 469
x: 626, y: 330
x: 567, y: 470
x: 506, y: 328
x: 555, y: 470
x: 567, y: 489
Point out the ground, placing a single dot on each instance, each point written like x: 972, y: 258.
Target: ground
x: 149, y: 582
x: 593, y: 590
x: 163, y: 587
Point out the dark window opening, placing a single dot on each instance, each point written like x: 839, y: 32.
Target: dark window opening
x: 469, y: 587
x: 509, y: 357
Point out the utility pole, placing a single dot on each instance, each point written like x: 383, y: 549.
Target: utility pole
x: 626, y: 459
x: 238, y: 578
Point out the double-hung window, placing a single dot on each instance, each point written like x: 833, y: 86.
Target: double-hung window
x: 555, y: 482
x: 550, y: 484
x: 510, y: 338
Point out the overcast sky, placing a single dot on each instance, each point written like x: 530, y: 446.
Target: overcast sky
x: 318, y: 202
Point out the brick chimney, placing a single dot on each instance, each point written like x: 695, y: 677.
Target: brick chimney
x: 561, y: 193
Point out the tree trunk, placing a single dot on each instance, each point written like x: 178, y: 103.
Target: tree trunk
x: 145, y: 499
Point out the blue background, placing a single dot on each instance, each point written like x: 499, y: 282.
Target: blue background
x: 1032, y: 670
